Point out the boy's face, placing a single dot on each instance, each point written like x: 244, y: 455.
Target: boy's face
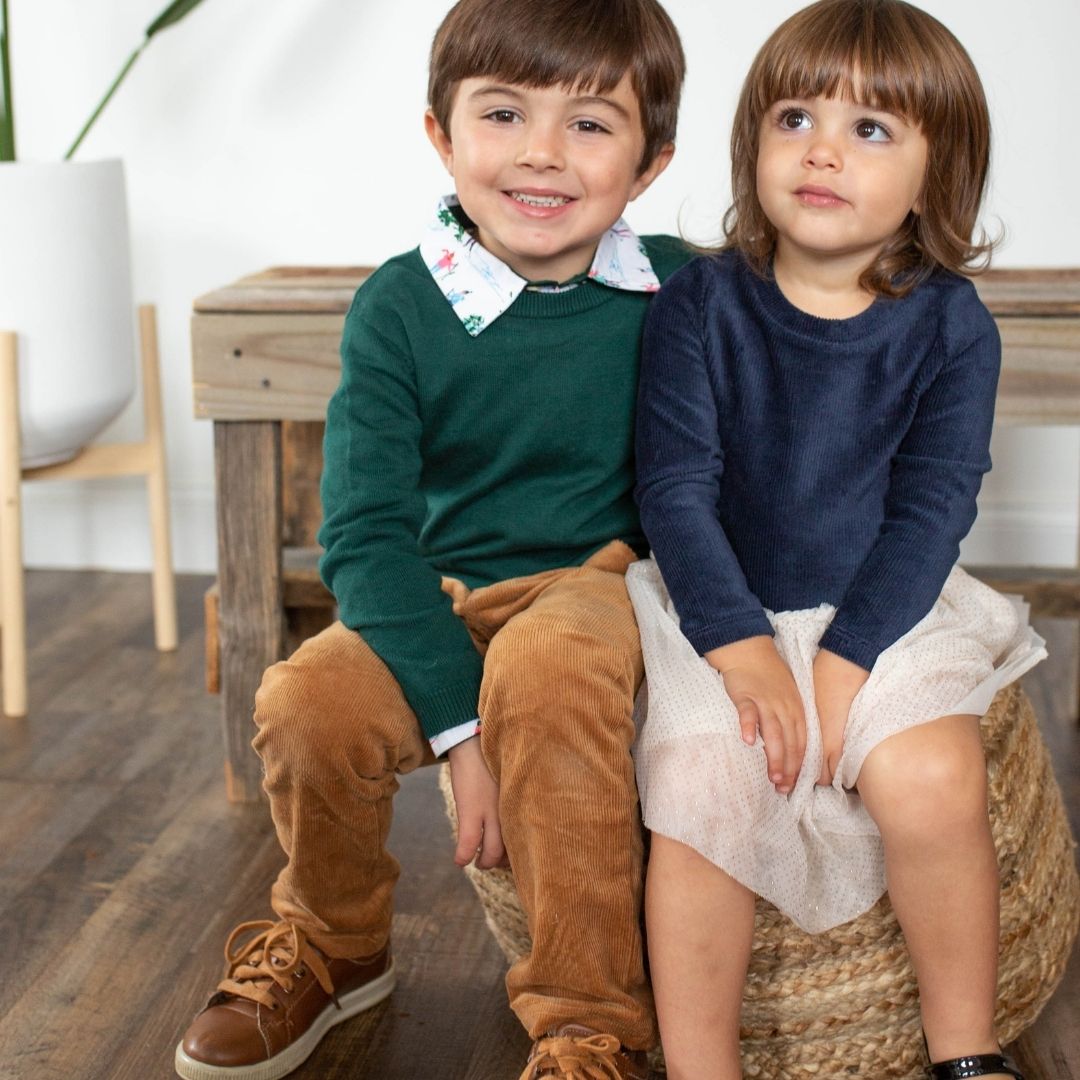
x: 544, y: 172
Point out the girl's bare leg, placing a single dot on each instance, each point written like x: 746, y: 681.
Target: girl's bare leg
x: 700, y: 925
x: 926, y: 790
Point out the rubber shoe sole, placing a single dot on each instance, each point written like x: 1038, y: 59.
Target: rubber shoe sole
x: 295, y: 1054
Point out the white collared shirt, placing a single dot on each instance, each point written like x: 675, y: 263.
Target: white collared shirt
x: 480, y: 287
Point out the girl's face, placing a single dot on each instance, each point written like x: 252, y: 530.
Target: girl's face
x: 837, y: 178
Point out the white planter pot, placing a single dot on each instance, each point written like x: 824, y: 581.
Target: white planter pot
x: 65, y: 289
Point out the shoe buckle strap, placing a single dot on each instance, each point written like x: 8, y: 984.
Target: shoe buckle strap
x: 965, y: 1068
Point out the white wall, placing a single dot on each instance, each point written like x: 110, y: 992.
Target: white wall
x: 258, y: 133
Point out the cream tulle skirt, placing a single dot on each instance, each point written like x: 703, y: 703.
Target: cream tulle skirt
x: 815, y: 853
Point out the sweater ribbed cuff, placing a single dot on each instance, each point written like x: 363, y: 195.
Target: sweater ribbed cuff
x: 839, y: 641
x: 447, y: 706
x: 736, y: 628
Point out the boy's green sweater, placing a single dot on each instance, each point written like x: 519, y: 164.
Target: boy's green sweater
x: 479, y: 458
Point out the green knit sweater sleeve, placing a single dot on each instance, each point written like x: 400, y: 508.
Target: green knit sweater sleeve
x: 373, y: 510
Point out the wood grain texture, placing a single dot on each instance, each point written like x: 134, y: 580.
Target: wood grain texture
x: 326, y: 289
x: 123, y: 867
x: 1021, y: 291
x: 281, y: 366
x: 1051, y: 591
x: 1040, y: 376
x: 301, y: 472
x: 247, y: 458
x: 267, y: 346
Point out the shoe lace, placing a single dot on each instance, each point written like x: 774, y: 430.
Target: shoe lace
x: 278, y: 953
x: 575, y: 1057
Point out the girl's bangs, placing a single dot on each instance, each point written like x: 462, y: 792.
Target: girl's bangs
x: 864, y: 71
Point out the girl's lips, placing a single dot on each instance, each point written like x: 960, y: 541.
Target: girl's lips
x: 818, y: 196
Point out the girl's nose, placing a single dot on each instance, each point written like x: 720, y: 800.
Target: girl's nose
x: 823, y: 153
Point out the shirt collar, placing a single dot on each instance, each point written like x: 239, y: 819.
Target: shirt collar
x: 480, y: 287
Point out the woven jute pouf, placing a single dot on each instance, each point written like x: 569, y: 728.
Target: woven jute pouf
x: 844, y: 1003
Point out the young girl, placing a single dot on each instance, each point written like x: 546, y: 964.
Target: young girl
x: 814, y: 420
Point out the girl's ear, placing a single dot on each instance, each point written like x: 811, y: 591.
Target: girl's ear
x: 440, y: 140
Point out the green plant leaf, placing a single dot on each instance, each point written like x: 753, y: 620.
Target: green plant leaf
x: 172, y: 14
x: 7, y: 116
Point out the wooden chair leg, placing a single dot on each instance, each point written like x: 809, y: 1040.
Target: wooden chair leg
x: 12, y: 597
x: 164, y: 584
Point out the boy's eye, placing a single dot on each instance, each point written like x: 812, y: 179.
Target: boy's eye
x: 590, y: 126
x: 871, y: 131
x: 794, y: 120
x: 502, y: 116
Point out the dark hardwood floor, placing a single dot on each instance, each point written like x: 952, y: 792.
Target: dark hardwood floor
x: 123, y: 868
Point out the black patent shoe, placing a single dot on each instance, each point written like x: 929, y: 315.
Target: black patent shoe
x: 976, y: 1065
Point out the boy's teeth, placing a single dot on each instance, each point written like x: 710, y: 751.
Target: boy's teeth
x: 539, y: 200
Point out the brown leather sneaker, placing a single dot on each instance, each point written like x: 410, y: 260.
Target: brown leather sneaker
x: 279, y: 997
x: 575, y: 1052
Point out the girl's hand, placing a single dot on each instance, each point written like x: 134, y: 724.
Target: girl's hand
x: 763, y: 691
x: 836, y: 682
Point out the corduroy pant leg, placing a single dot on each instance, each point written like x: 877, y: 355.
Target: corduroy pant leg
x: 334, y: 732
x: 556, y: 704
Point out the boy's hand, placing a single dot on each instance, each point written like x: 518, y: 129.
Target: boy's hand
x: 476, y: 796
x: 836, y: 682
x: 763, y: 691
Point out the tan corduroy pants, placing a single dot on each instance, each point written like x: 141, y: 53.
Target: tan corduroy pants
x: 562, y: 664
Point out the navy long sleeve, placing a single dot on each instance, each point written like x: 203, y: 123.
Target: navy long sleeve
x: 785, y: 461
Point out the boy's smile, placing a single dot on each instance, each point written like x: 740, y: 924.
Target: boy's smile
x: 837, y: 178
x: 544, y: 172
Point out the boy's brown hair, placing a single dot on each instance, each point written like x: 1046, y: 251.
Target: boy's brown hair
x: 893, y: 56
x: 571, y: 43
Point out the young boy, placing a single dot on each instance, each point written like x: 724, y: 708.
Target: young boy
x: 478, y: 522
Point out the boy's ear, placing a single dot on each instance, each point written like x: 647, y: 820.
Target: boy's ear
x: 440, y: 140
x: 653, y: 170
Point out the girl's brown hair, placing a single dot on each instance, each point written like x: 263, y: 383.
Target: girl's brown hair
x: 570, y: 43
x: 891, y: 56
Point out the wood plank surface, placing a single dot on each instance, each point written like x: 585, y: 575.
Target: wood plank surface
x: 279, y: 366
x: 1040, y: 371
x: 301, y: 471
x: 330, y: 289
x: 247, y: 458
x: 266, y: 346
x: 123, y: 867
x: 1051, y: 591
x: 313, y: 289
x: 1023, y: 291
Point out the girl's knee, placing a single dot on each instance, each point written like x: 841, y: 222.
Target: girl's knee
x: 927, y: 785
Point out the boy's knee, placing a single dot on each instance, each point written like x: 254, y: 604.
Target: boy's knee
x: 296, y: 731
x: 545, y: 650
x: 316, y: 708
x: 562, y: 671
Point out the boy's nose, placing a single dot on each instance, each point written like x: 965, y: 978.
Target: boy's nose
x: 540, y: 149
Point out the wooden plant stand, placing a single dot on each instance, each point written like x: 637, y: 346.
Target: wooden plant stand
x: 145, y: 458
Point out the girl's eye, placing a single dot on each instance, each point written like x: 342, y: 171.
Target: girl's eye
x: 502, y: 116
x: 871, y: 131
x: 794, y: 120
